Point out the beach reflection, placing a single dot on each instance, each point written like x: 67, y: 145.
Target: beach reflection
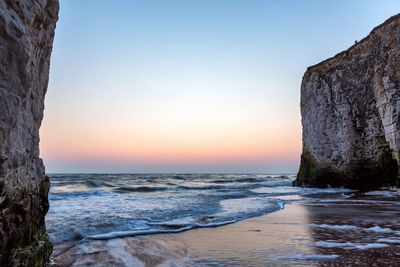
x: 274, y: 239
x: 319, y: 230
x: 363, y: 230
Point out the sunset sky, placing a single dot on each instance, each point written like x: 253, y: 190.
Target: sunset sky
x: 189, y: 86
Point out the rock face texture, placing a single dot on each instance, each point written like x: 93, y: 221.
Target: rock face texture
x: 350, y: 106
x: 26, y: 38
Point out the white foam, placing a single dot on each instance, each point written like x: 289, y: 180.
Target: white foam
x: 371, y: 246
x: 121, y: 234
x: 355, y: 201
x: 389, y: 240
x: 375, y: 229
x: 336, y: 227
x: 378, y: 229
x: 330, y: 244
x: 248, y: 205
x: 276, y: 190
x: 309, y: 257
x: 69, y: 189
x: 384, y: 193
x: 328, y: 190
x: 348, y: 245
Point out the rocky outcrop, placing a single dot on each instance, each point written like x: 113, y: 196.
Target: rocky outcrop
x: 350, y: 107
x: 26, y: 37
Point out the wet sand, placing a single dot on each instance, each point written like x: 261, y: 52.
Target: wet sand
x: 316, y: 231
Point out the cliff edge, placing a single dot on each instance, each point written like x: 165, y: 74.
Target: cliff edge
x: 350, y: 107
x: 26, y: 38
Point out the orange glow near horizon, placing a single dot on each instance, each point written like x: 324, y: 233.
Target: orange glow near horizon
x: 173, y: 91
x: 178, y: 143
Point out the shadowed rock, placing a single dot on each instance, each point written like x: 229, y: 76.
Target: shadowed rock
x: 350, y: 106
x: 26, y: 38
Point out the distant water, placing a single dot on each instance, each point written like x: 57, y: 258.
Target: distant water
x: 103, y: 206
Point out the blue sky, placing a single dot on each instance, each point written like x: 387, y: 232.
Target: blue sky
x: 189, y: 86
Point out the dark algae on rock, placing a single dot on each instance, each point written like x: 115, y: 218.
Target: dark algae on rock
x: 26, y: 39
x: 350, y: 107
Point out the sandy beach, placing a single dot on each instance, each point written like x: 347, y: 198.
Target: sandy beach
x: 361, y: 230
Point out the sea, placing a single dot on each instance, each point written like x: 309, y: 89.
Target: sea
x: 106, y: 206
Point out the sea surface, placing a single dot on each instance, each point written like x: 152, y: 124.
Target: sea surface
x: 106, y: 206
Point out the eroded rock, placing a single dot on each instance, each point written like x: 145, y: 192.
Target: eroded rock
x: 26, y: 38
x: 350, y: 106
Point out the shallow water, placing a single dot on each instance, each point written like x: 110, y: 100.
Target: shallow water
x: 329, y: 229
x: 324, y: 229
x: 104, y: 206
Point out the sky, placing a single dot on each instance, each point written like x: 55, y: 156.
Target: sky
x: 156, y: 86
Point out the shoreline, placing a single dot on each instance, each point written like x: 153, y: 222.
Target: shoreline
x: 322, y: 231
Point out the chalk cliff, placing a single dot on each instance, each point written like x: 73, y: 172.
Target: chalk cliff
x: 26, y: 37
x: 350, y: 107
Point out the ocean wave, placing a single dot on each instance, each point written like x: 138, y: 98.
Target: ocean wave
x: 240, y: 180
x: 389, y: 240
x: 308, y: 257
x: 103, y: 206
x: 374, y: 229
x: 119, y: 234
x: 384, y: 193
x: 201, y: 187
x: 336, y: 227
x: 277, y: 190
x: 381, y: 230
x: 348, y: 245
x: 125, y: 189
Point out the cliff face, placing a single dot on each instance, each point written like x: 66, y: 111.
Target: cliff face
x: 350, y: 106
x: 26, y: 37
